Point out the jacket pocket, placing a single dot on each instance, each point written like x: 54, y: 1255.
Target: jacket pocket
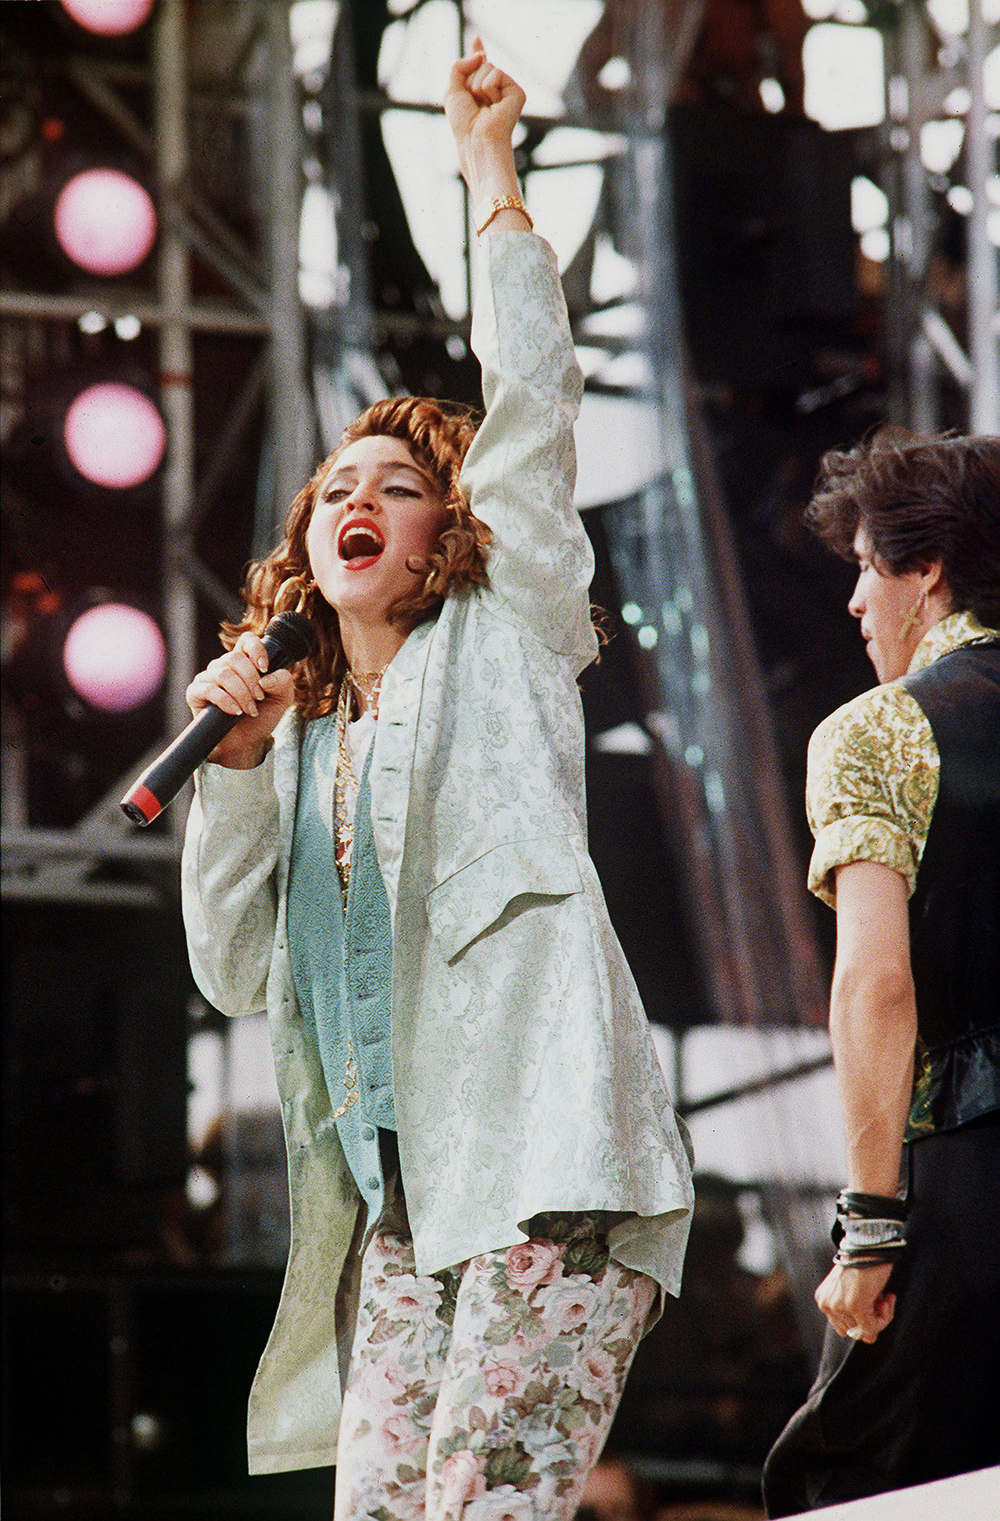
x: 472, y: 898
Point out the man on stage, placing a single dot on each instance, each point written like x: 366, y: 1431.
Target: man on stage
x: 903, y: 796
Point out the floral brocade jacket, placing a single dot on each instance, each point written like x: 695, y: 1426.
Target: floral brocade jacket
x: 524, y: 1075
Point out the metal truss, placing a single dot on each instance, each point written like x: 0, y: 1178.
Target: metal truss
x: 102, y: 859
x: 931, y: 75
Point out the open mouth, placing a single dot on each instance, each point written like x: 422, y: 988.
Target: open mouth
x: 360, y: 543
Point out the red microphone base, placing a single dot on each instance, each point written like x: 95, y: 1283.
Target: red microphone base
x: 140, y: 805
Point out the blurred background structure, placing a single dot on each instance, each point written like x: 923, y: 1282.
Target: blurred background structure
x: 227, y: 226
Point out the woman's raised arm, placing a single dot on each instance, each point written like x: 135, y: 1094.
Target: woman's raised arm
x: 520, y: 469
x: 483, y: 106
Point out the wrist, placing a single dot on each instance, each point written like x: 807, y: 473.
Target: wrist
x: 870, y: 1229
x: 489, y: 173
x: 506, y: 213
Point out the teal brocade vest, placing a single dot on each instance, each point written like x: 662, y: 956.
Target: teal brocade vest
x: 342, y: 958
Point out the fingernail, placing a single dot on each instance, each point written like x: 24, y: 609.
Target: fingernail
x: 262, y: 662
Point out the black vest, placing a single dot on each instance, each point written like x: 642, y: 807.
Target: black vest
x: 955, y: 908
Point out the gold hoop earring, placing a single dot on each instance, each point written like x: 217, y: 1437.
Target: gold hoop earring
x: 298, y: 587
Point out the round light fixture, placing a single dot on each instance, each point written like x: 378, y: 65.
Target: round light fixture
x: 105, y: 221
x: 114, y: 435
x: 108, y: 18
x: 114, y: 657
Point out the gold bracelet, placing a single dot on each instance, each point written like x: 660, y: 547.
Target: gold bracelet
x: 505, y: 203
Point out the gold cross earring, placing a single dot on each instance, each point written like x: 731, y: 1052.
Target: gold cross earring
x: 913, y: 616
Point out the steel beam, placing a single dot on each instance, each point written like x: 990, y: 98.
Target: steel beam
x: 981, y: 255
x: 88, y: 80
x: 922, y: 346
x: 198, y: 317
x: 291, y: 433
x: 176, y: 357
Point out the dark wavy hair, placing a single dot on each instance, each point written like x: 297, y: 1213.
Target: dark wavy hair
x: 438, y: 435
x: 919, y: 499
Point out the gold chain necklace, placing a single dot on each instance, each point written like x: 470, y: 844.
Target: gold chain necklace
x: 345, y: 777
x: 368, y: 686
x: 343, y: 848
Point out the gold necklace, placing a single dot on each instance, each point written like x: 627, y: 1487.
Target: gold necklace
x: 368, y: 686
x: 343, y: 824
x: 343, y: 851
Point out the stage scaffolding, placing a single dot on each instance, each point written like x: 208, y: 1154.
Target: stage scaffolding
x: 704, y: 706
x: 931, y: 73
x: 716, y: 759
x: 251, y: 74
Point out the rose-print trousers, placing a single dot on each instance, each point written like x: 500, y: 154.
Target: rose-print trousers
x: 486, y: 1391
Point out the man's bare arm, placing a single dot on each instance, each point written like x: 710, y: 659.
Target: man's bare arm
x: 873, y: 1030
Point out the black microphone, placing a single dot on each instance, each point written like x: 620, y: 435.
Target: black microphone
x: 287, y: 639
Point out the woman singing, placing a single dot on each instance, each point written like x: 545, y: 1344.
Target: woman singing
x: 489, y: 1189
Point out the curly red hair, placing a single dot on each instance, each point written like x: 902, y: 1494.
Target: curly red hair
x: 438, y: 435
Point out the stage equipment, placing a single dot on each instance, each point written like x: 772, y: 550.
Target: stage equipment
x: 942, y: 281
x: 108, y: 18
x: 105, y: 221
x: 765, y: 247
x: 114, y: 657
x: 194, y: 118
x: 114, y: 435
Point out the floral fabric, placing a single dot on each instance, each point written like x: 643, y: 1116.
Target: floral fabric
x: 873, y: 771
x: 952, y: 633
x: 485, y: 1391
x: 871, y: 787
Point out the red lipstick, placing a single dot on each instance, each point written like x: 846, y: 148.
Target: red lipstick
x: 360, y: 542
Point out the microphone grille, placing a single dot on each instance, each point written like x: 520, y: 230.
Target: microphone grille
x: 293, y: 633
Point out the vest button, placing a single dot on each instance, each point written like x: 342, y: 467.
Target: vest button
x: 368, y: 1133
x: 373, y: 1184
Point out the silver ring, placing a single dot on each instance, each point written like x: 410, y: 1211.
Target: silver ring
x: 855, y: 1333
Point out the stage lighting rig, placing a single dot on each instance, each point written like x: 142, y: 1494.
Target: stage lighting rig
x: 114, y: 657
x: 108, y: 18
x: 114, y: 435
x: 105, y: 221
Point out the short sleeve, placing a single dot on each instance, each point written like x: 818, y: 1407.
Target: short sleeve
x: 871, y: 786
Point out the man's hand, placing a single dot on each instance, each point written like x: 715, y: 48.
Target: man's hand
x: 855, y: 1299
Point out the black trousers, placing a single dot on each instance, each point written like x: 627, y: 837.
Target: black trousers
x: 923, y: 1402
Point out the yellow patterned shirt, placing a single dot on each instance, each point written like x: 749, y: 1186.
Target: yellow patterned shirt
x: 871, y: 787
x: 873, y: 770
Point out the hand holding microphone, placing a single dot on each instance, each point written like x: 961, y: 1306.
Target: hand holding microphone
x: 246, y: 684
x: 237, y: 702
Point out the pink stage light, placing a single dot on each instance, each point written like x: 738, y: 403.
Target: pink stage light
x: 114, y: 435
x: 108, y: 18
x: 105, y: 221
x: 114, y: 657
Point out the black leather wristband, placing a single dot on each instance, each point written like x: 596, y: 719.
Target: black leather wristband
x: 871, y: 1206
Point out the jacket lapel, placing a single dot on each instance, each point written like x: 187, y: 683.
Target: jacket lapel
x: 392, y: 754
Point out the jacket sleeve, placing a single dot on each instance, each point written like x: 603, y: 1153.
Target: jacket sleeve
x: 228, y: 892
x: 521, y: 468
